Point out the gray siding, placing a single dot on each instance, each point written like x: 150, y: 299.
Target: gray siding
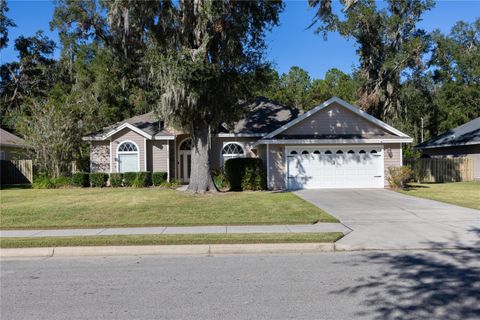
x: 218, y: 143
x: 335, y: 120
x: 392, y: 157
x: 123, y: 135
x: 157, y: 155
x: 276, y: 169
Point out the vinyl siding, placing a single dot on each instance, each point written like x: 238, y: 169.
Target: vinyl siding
x: 335, y: 120
x: 393, y: 159
x: 123, y: 135
x: 277, y: 172
x: 157, y: 155
x: 100, y: 156
x: 218, y: 143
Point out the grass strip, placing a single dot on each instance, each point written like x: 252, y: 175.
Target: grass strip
x: 125, y: 240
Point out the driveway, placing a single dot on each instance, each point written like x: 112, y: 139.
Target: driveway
x: 383, y: 219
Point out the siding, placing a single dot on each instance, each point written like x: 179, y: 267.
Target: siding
x: 335, y: 120
x: 157, y: 155
x: 100, y: 156
x: 12, y: 153
x: 127, y: 134
x: 218, y: 143
x: 276, y: 179
x: 391, y: 160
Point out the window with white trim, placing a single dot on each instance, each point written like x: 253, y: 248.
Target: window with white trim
x: 232, y: 150
x: 128, y: 157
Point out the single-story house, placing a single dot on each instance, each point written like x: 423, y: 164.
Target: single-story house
x: 334, y: 145
x: 462, y: 141
x: 12, y: 147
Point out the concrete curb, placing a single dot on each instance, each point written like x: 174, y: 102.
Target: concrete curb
x: 166, y: 250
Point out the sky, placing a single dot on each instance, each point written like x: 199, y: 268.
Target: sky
x: 290, y: 44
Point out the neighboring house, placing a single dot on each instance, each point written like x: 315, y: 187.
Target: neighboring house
x: 11, y: 146
x: 462, y: 141
x: 334, y: 145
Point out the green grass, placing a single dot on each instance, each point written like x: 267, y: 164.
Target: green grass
x: 169, y: 239
x: 465, y: 194
x: 124, y: 207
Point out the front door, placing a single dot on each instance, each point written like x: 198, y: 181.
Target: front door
x: 185, y: 160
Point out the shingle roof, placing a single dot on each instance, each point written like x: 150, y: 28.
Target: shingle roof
x: 11, y: 140
x: 147, y: 122
x: 261, y: 117
x: 466, y: 134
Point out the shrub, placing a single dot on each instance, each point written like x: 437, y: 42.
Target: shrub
x: 219, y: 179
x: 80, y: 179
x: 116, y: 180
x: 98, y: 179
x: 43, y: 182
x: 399, y: 176
x: 62, y: 182
x: 173, y: 184
x: 245, y: 174
x: 158, y: 178
x: 129, y: 178
x: 143, y: 179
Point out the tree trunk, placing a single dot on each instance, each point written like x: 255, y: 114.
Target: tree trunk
x: 201, y: 175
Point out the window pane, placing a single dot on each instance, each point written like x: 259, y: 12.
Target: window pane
x: 128, y: 162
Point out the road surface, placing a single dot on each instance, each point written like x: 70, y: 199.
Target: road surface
x: 349, y: 285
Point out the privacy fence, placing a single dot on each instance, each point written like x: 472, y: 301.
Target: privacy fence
x: 442, y: 170
x: 16, y: 172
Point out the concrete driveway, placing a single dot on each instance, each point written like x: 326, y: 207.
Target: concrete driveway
x: 383, y: 219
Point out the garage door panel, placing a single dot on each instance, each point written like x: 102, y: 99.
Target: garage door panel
x: 342, y: 168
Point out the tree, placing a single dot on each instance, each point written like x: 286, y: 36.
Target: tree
x: 215, y: 47
x: 335, y: 84
x: 5, y: 23
x: 456, y: 72
x: 389, y: 43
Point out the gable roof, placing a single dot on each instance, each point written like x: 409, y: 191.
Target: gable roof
x: 8, y: 139
x: 466, y: 134
x: 260, y: 117
x: 345, y: 104
x: 147, y: 125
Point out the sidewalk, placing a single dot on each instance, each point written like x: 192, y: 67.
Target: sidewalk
x: 295, y: 228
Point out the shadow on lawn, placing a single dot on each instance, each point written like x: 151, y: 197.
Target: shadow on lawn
x: 444, y: 284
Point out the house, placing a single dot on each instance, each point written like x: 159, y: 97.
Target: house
x: 334, y: 145
x: 462, y: 141
x: 12, y: 147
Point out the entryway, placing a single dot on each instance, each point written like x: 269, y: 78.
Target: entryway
x: 185, y: 160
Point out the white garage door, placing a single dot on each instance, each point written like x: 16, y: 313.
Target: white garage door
x: 335, y: 167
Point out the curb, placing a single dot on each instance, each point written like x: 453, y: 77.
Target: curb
x: 166, y: 250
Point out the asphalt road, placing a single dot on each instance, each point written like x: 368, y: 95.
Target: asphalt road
x: 360, y: 285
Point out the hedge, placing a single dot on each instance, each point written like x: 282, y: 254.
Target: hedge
x: 98, y: 179
x: 116, y: 180
x: 245, y: 174
x: 143, y: 179
x: 80, y: 179
x: 158, y: 178
x: 129, y: 178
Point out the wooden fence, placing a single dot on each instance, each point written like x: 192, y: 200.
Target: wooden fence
x: 16, y: 172
x: 442, y: 169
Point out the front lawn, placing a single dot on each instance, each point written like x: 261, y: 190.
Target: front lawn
x: 163, y: 239
x: 465, y: 194
x: 123, y: 207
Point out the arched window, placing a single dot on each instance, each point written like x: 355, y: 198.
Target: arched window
x: 186, y: 145
x: 362, y: 151
x: 232, y: 150
x: 316, y: 152
x: 373, y: 151
x: 128, y: 157
x: 305, y: 152
x: 351, y: 152
x: 293, y: 152
x: 339, y: 152
x: 328, y: 152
